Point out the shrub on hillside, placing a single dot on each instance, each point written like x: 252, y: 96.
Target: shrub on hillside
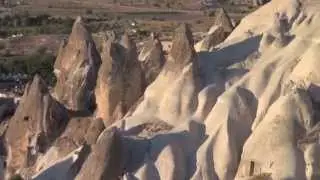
x: 37, y: 63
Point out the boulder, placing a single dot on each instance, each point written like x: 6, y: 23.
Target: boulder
x: 76, y: 69
x: 228, y: 126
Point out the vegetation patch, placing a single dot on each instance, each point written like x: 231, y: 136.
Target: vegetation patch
x: 36, y: 63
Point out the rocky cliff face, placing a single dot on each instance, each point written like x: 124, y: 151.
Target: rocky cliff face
x: 110, y: 83
x: 37, y: 122
x: 246, y: 108
x: 152, y: 59
x: 120, y: 80
x: 173, y: 102
x: 104, y: 161
x: 132, y: 73
x: 76, y: 69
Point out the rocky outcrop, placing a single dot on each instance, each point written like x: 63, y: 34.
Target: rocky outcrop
x: 37, y: 122
x: 311, y: 152
x: 109, y: 91
x: 176, y: 102
x: 95, y: 129
x: 171, y: 163
x: 132, y: 73
x: 222, y: 19
x: 104, y: 161
x: 215, y: 36
x: 152, y: 59
x: 75, y: 137
x: 286, y: 121
x: 65, y: 168
x: 120, y: 81
x: 2, y: 168
x: 228, y: 125
x: 76, y: 69
x: 182, y: 52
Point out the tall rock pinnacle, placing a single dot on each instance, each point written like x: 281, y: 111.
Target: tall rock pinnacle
x: 109, y: 89
x: 152, y: 59
x: 38, y: 120
x: 76, y: 69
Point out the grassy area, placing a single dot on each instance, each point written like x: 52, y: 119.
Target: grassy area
x: 34, y: 25
x: 36, y: 63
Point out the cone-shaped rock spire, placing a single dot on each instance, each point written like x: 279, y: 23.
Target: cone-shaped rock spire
x: 76, y: 69
x: 38, y: 120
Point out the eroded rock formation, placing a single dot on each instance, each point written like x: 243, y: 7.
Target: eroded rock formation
x: 152, y: 59
x: 109, y: 91
x: 104, y: 162
x: 76, y: 69
x: 37, y: 122
x: 120, y: 80
x: 175, y: 102
x: 246, y: 109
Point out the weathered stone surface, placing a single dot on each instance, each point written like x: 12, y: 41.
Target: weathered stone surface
x: 76, y: 69
x: 228, y: 125
x: 182, y: 52
x: 95, y: 129
x: 37, y: 122
x: 171, y: 163
x: 110, y: 83
x: 311, y: 152
x: 215, y: 36
x: 104, y: 162
x: 173, y: 95
x: 248, y: 2
x: 65, y: 168
x: 120, y: 81
x: 152, y: 59
x: 286, y: 121
x: 223, y: 19
x: 132, y: 73
x: 70, y: 140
